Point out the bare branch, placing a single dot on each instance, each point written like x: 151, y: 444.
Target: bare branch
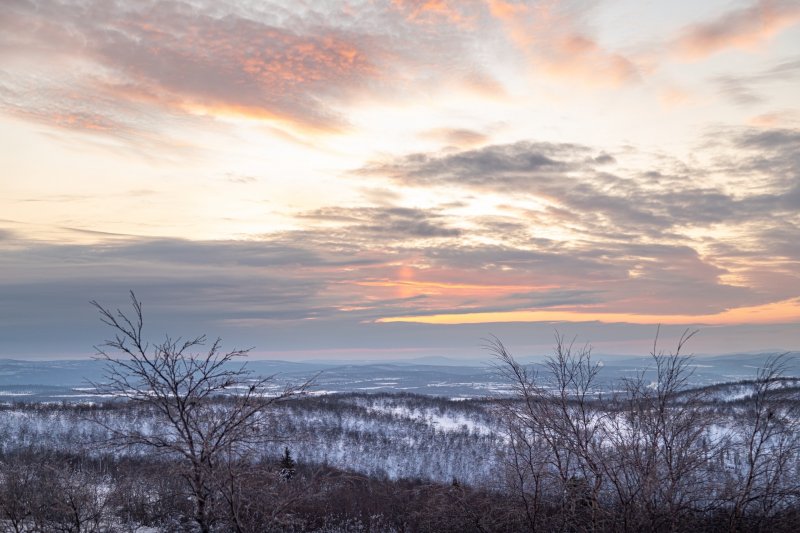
x: 210, y: 409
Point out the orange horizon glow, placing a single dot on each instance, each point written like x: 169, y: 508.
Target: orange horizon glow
x: 785, y: 312
x: 453, y: 287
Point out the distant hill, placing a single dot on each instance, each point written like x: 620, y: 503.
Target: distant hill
x: 435, y: 376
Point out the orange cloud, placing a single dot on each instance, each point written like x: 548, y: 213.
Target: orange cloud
x: 506, y: 10
x: 744, y: 28
x: 430, y: 10
x: 785, y: 312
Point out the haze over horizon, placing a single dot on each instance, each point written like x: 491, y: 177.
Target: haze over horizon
x: 400, y: 179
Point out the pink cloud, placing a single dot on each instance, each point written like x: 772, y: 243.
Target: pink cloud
x: 298, y: 68
x: 456, y: 136
x: 745, y: 28
x: 579, y: 57
x: 554, y: 43
x: 170, y: 56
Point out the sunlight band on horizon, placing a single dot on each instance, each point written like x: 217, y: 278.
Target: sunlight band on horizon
x: 785, y: 312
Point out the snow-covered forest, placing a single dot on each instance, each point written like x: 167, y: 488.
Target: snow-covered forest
x: 717, y: 458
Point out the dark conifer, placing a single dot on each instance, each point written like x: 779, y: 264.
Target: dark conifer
x: 287, y: 465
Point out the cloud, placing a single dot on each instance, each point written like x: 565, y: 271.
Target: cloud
x: 744, y: 28
x: 770, y: 158
x: 749, y: 89
x: 571, y: 179
x: 765, y: 120
x: 432, y: 11
x: 771, y: 140
x: 672, y: 97
x: 386, y: 222
x: 577, y: 231
x: 471, y: 227
x: 460, y: 137
x: 738, y: 90
x: 590, y: 190
x: 136, y: 69
x: 173, y: 55
x: 580, y: 57
x: 483, y: 85
x: 497, y: 166
x: 551, y: 36
x: 639, y: 229
x: 274, y: 280
x: 239, y: 179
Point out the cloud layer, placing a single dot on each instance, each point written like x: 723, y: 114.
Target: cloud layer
x: 111, y: 67
x: 310, y: 169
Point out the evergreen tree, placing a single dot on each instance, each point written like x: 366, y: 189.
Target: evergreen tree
x: 287, y: 465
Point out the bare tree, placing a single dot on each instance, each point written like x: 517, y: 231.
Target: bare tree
x: 528, y: 462
x: 662, y: 443
x: 642, y: 460
x: 73, y: 498
x: 211, y: 412
x: 17, y: 494
x: 554, y: 432
x: 767, y: 434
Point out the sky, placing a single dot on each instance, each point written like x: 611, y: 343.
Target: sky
x: 398, y: 179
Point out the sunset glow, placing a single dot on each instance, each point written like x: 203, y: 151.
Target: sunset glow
x: 787, y: 312
x: 334, y: 170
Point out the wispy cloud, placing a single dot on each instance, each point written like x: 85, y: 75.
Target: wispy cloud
x: 460, y: 137
x: 550, y: 34
x: 386, y: 222
x: 751, y: 89
x: 744, y: 28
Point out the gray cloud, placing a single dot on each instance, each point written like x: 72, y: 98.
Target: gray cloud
x: 772, y: 139
x: 628, y: 253
x: 638, y: 278
x: 514, y: 166
x: 606, y: 202
x: 634, y: 234
x: 281, y: 291
x: 391, y: 222
x: 747, y: 90
x: 738, y: 90
x: 558, y: 298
